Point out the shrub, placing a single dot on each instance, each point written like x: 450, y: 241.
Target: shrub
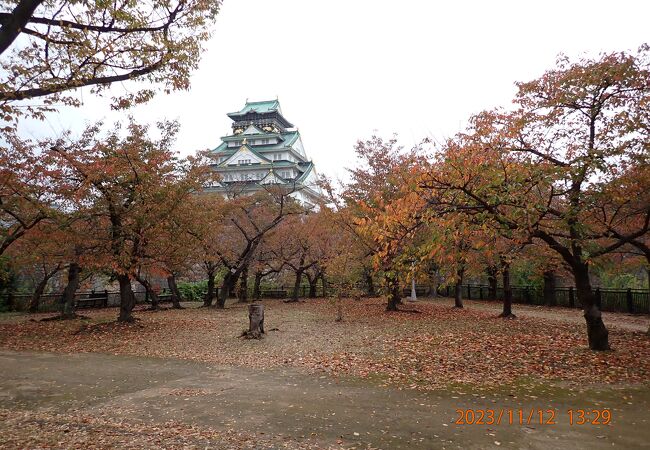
x: 193, y: 291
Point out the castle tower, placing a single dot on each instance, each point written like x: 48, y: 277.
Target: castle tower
x: 264, y: 148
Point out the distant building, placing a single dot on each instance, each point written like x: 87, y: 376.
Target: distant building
x: 264, y: 149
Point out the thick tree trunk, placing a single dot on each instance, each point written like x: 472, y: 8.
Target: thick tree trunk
x: 596, y: 331
x: 549, y: 288
x: 224, y: 291
x: 127, y: 299
x: 256, y: 285
x: 296, y: 286
x: 229, y: 282
x: 67, y: 302
x: 242, y: 294
x: 176, y: 294
x: 492, y: 282
x: 507, y: 292
x: 35, y: 301
x: 209, y: 295
x: 458, y: 294
x: 255, y: 322
x: 394, y: 295
x: 434, y: 284
x: 155, y: 301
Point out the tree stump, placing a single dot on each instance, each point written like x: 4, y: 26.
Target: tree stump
x: 255, y: 322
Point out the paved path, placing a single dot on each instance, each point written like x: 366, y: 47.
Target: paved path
x: 286, y: 402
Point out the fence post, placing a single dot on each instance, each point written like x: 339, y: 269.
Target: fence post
x: 630, y: 303
x: 527, y: 295
x: 480, y: 292
x: 105, y: 298
x: 469, y: 292
x: 447, y: 290
x: 598, y: 298
x: 572, y: 300
x: 146, y: 296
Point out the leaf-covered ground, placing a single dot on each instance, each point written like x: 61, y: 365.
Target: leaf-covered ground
x: 432, y: 349
x: 46, y: 429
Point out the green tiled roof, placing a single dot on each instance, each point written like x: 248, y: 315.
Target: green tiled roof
x: 262, y: 107
x: 305, y: 174
x: 221, y: 148
x: 289, y: 139
x: 239, y: 137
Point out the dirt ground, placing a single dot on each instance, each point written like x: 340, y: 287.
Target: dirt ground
x: 182, y: 379
x: 127, y: 400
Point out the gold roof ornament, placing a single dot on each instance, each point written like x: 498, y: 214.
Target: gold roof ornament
x: 244, y: 142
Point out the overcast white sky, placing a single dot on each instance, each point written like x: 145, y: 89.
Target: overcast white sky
x: 343, y: 69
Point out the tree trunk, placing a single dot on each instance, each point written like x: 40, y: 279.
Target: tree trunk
x: 296, y: 286
x: 233, y: 283
x: 434, y: 284
x: 209, y: 295
x: 176, y: 294
x: 549, y: 288
x: 8, y: 285
x: 229, y: 281
x: 127, y: 299
x: 255, y: 322
x: 458, y: 295
x: 492, y: 282
x: 371, y: 284
x: 256, y: 285
x: 38, y: 293
x: 67, y: 302
x: 313, y: 285
x: 224, y: 292
x: 507, y: 292
x: 11, y: 303
x: 242, y: 294
x: 395, y: 294
x: 155, y: 302
x: 323, y: 281
x: 596, y: 331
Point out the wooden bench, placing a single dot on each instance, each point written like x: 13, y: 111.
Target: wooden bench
x: 419, y: 291
x: 94, y: 301
x: 164, y: 298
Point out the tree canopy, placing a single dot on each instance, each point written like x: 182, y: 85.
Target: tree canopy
x: 50, y: 48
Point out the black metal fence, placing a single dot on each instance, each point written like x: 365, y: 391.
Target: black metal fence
x: 634, y: 301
